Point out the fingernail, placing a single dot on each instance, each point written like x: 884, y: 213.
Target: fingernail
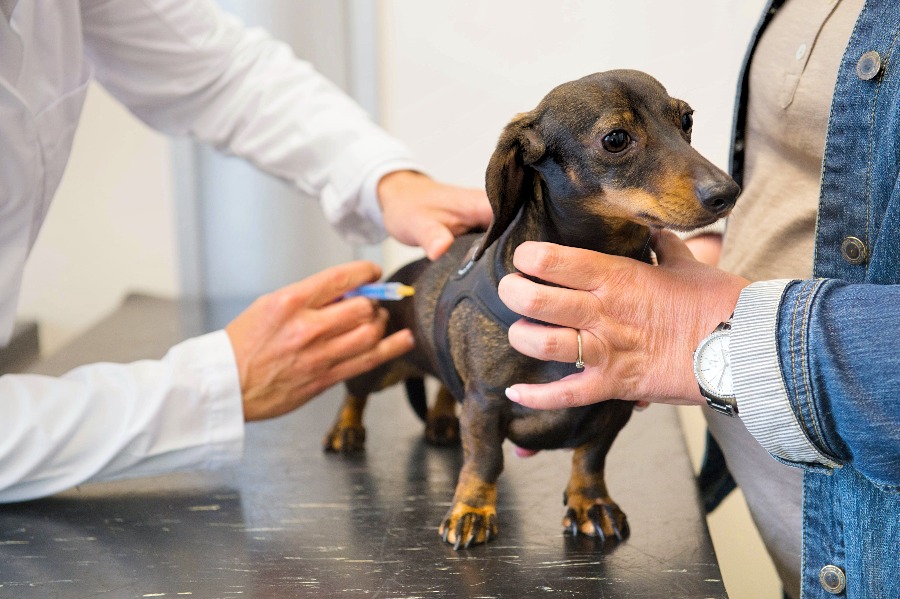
x: 513, y: 395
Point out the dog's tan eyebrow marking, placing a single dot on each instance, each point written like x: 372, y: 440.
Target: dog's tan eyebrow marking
x: 624, y: 119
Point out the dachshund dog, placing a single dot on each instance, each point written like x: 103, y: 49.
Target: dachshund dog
x: 598, y: 164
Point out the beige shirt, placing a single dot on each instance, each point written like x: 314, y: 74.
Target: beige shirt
x: 771, y: 232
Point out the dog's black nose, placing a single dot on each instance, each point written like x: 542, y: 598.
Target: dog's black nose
x: 718, y: 197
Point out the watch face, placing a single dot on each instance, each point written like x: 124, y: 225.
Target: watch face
x: 713, y: 366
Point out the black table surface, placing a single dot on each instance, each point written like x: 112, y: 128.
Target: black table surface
x: 292, y: 521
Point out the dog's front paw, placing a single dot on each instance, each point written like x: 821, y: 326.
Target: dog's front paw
x: 599, y: 517
x: 344, y: 438
x: 466, y: 525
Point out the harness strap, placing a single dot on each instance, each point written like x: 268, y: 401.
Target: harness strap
x: 476, y: 280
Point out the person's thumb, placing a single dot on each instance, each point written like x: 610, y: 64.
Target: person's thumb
x: 670, y: 249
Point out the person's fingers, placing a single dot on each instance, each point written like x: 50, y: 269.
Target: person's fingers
x: 565, y: 307
x: 559, y: 344
x: 392, y: 346
x: 328, y: 285
x: 570, y: 392
x: 670, y: 248
x: 435, y: 238
x: 479, y: 209
x: 337, y: 318
x: 570, y: 267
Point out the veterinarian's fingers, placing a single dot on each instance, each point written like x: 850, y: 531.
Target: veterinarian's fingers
x: 559, y: 344
x: 565, y: 307
x: 328, y: 285
x: 435, y: 239
x: 419, y: 211
x: 392, y: 346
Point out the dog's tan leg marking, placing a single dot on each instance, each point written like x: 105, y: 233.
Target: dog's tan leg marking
x: 591, y: 511
x: 441, y: 424
x: 348, y: 434
x: 473, y: 518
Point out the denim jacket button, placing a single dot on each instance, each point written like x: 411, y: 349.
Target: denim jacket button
x: 832, y: 579
x: 869, y: 65
x: 854, y: 251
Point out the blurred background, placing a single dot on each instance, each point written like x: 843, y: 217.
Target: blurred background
x: 138, y: 211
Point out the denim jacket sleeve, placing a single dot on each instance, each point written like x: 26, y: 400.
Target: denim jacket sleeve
x: 817, y: 373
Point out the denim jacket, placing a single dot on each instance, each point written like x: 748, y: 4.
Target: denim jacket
x: 816, y: 363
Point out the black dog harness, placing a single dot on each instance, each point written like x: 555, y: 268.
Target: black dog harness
x: 475, y: 280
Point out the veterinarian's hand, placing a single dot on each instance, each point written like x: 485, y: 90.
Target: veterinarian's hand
x: 292, y: 344
x: 639, y: 323
x: 422, y: 212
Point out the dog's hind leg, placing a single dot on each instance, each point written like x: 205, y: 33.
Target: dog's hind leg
x: 348, y: 434
x: 441, y: 423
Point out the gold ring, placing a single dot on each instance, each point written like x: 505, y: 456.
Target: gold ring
x: 579, y: 363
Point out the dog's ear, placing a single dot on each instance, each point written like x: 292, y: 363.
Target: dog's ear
x: 509, y: 179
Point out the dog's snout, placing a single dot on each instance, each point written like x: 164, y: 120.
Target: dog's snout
x: 718, y: 197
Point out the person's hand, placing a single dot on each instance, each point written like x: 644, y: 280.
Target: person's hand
x: 707, y: 248
x: 421, y: 212
x: 294, y: 343
x: 639, y: 323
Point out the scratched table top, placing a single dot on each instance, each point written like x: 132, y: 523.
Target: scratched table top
x: 291, y: 521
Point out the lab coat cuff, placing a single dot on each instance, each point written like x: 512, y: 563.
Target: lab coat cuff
x: 221, y: 391
x: 350, y: 199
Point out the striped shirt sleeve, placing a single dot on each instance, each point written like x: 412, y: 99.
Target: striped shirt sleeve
x: 761, y: 394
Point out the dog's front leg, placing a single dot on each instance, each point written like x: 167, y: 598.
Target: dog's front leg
x: 590, y: 509
x: 472, y: 519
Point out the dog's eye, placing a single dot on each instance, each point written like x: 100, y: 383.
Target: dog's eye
x: 616, y: 141
x: 687, y: 122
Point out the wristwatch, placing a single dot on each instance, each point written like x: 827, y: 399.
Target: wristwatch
x: 712, y: 369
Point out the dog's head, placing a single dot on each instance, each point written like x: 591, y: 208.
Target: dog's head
x: 614, y: 145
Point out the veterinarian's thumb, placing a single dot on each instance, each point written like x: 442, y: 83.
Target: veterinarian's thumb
x: 670, y: 249
x: 436, y: 239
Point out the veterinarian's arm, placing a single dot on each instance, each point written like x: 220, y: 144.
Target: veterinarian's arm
x: 109, y: 421
x: 186, y: 67
x: 187, y: 411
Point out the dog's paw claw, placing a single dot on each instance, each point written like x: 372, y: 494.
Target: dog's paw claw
x: 600, y: 518
x: 465, y: 526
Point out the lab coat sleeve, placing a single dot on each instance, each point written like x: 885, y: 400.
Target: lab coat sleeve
x: 186, y: 67
x: 108, y: 421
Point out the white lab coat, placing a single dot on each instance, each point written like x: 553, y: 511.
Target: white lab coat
x: 183, y: 67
